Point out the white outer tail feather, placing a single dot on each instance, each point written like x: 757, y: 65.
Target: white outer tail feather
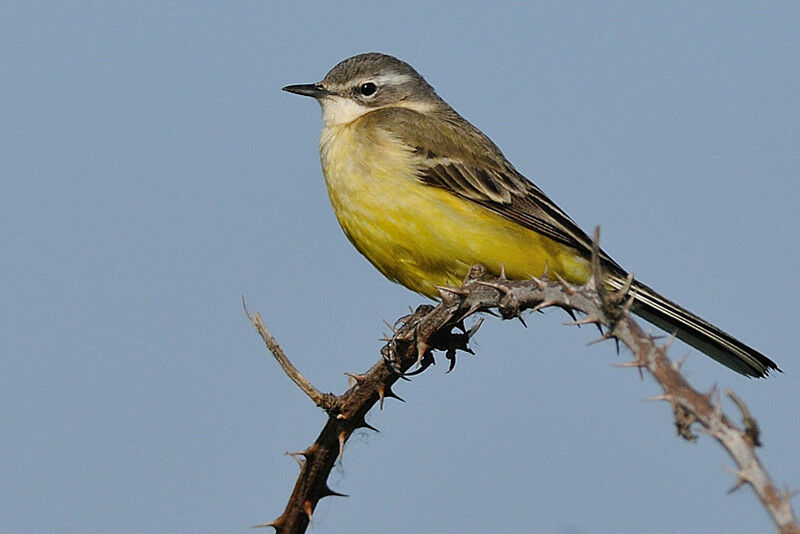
x: 693, y: 330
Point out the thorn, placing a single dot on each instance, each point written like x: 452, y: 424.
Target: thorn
x: 503, y: 271
x: 566, y: 285
x: 451, y: 357
x: 502, y: 289
x: 596, y: 236
x: 571, y: 314
x: 522, y: 321
x: 633, y: 363
x: 422, y: 349
x: 599, y: 326
x: 739, y: 483
x: 711, y: 393
x: 623, y: 291
x: 274, y: 524
x: 391, y: 327
x: 736, y: 472
x: 589, y: 319
x: 419, y: 370
x: 591, y: 282
x: 326, y: 491
x: 629, y: 303
x: 670, y: 340
x: 473, y: 309
x: 616, y: 344
x: 717, y: 405
x: 677, y: 364
x: 305, y: 453
x: 607, y: 335
x: 357, y: 377
x: 386, y: 391
x: 450, y: 295
x: 362, y: 423
x: 546, y: 272
x: 662, y: 397
x: 741, y: 478
x: 298, y: 460
x: 454, y: 290
x: 542, y: 305
x: 474, y: 328
x: 342, y: 439
x: 539, y: 283
x: 308, y: 508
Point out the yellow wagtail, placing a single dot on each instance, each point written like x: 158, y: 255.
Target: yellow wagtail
x: 424, y: 194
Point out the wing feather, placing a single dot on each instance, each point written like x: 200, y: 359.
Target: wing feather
x: 454, y: 155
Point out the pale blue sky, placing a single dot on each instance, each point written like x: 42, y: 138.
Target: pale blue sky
x: 152, y: 173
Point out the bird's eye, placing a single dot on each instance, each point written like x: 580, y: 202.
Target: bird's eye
x: 367, y: 89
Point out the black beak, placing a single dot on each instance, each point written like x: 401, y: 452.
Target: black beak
x: 308, y: 89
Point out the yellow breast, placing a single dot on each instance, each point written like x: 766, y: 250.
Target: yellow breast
x: 422, y: 236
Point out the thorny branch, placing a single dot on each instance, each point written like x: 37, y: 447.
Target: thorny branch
x: 428, y: 328
x: 324, y: 400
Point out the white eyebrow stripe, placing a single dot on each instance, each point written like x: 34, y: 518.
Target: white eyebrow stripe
x: 389, y: 79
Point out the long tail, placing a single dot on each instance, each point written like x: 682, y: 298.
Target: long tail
x: 698, y: 333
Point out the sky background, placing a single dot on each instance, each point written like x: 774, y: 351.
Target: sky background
x: 152, y: 173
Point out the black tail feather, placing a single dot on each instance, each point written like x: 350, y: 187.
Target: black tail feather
x: 693, y: 330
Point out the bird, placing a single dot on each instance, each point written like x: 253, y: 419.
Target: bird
x: 424, y: 195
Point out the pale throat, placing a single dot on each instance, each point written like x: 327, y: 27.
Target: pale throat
x: 337, y: 110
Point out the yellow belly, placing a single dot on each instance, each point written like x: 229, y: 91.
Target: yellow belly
x: 422, y: 236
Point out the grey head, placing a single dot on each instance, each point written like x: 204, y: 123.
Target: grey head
x: 366, y: 82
